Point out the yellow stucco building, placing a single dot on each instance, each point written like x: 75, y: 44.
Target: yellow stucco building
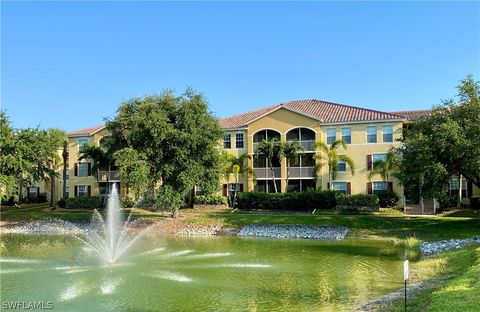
x: 369, y: 135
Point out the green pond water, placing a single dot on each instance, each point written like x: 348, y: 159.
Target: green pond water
x: 199, y: 274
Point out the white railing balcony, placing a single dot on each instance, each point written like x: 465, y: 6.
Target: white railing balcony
x: 266, y: 173
x: 301, y: 172
x: 109, y: 176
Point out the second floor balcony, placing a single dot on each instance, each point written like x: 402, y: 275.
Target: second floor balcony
x: 301, y: 172
x: 109, y: 176
x: 266, y: 173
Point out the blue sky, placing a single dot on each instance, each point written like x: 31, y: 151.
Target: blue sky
x: 69, y: 64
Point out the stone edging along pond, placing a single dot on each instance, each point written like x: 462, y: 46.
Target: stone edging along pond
x: 294, y: 231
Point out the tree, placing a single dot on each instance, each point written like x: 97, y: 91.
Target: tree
x: 102, y: 159
x: 384, y: 167
x: 270, y: 150
x: 234, y: 166
x: 290, y: 150
x: 329, y: 155
x: 133, y: 170
x: 443, y: 145
x: 177, y: 135
x: 26, y: 156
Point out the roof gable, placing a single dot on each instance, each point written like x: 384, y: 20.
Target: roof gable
x: 86, y: 132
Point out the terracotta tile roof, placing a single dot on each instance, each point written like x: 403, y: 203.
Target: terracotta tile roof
x: 412, y: 115
x: 326, y: 112
x: 87, y: 131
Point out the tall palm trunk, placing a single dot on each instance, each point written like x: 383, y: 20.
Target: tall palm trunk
x: 273, y: 176
x: 459, y: 201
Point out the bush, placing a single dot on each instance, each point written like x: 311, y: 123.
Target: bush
x: 388, y: 199
x: 210, y: 200
x: 41, y: 198
x: 62, y: 203
x: 88, y: 202
x: 168, y: 199
x: 287, y: 201
x: 475, y: 202
x: 357, y: 200
x: 128, y: 203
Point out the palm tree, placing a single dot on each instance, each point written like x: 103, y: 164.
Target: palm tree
x: 290, y: 150
x: 101, y: 159
x: 384, y: 167
x: 270, y: 150
x: 329, y: 155
x: 234, y: 166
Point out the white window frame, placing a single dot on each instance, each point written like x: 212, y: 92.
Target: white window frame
x: 198, y: 190
x: 349, y: 134
x: 341, y: 190
x: 32, y: 190
x: 376, y: 183
x: 84, y: 191
x: 378, y: 156
x: 229, y: 136
x: 331, y: 136
x: 389, y: 132
x: 237, y: 140
x: 79, y: 169
x: 341, y: 162
x: 368, y: 134
x: 232, y: 187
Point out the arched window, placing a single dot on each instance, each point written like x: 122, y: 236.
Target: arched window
x: 305, y: 136
x: 266, y: 135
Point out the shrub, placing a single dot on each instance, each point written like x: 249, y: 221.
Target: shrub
x: 475, y: 202
x: 168, y: 199
x: 41, y: 198
x: 88, y: 202
x: 210, y: 200
x: 357, y: 200
x: 128, y: 203
x: 388, y: 198
x: 287, y: 201
x: 62, y: 203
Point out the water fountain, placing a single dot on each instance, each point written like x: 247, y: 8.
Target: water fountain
x: 109, y: 238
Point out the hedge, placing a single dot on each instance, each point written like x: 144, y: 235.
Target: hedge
x: 287, y: 201
x: 388, y: 198
x: 88, y: 202
x: 210, y: 200
x: 357, y: 200
x: 475, y: 202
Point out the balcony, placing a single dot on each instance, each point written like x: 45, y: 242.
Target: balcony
x: 109, y: 176
x: 266, y: 173
x: 255, y: 144
x: 307, y: 145
x: 301, y: 172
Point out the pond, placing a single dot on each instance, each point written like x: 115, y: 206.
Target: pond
x: 165, y: 273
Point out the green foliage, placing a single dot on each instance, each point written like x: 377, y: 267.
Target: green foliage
x: 357, y: 200
x: 388, y: 198
x: 86, y: 202
x: 177, y: 135
x: 443, y: 145
x: 384, y: 167
x: 210, y: 200
x: 287, y: 201
x: 26, y: 155
x: 128, y: 203
x: 62, y: 203
x: 39, y: 198
x: 134, y: 170
x: 167, y: 199
x: 475, y: 202
x: 233, y: 166
x: 269, y: 150
x: 329, y: 155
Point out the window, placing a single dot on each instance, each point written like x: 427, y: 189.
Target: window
x: 32, y: 191
x: 331, y: 135
x: 347, y: 135
x: 232, y: 187
x: 341, y: 187
x: 82, y: 142
x: 387, y: 134
x: 377, y: 187
x: 83, y: 169
x: 198, y: 190
x: 68, y: 174
x: 239, y: 140
x: 341, y: 166
x: 82, y: 190
x: 227, y: 141
x: 377, y: 157
x: 67, y: 191
x: 372, y: 134
x: 454, y: 187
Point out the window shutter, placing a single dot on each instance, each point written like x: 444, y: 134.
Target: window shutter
x: 369, y: 188
x: 225, y: 189
x: 75, y: 168
x: 38, y: 191
x: 89, y: 169
x: 390, y: 186
x: 76, y: 191
x: 328, y: 185
x: 369, y: 162
x: 89, y: 190
x: 241, y: 187
x: 349, y: 188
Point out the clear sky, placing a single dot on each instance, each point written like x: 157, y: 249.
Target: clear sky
x: 69, y: 64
